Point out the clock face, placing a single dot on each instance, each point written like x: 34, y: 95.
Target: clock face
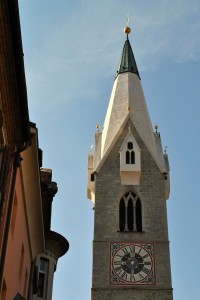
x: 132, y: 264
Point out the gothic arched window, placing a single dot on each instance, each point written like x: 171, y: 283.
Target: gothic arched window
x: 122, y: 214
x: 132, y: 157
x: 130, y: 154
x: 127, y: 157
x: 138, y: 212
x: 130, y: 213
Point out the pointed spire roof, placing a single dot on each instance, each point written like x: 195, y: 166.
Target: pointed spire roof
x: 127, y: 62
x: 127, y: 102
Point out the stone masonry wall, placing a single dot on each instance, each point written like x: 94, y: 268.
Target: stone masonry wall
x: 151, y: 192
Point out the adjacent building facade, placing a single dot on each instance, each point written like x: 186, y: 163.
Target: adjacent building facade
x: 29, y: 250
x: 128, y: 181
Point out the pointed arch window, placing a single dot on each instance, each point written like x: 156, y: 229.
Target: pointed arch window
x: 122, y: 214
x: 130, y: 213
x: 138, y: 213
x: 130, y: 154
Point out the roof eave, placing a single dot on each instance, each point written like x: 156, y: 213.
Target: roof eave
x: 14, y: 103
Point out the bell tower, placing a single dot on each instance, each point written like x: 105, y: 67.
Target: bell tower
x: 128, y: 182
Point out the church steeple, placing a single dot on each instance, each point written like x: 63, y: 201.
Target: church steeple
x: 127, y: 62
x: 127, y: 101
x: 128, y: 181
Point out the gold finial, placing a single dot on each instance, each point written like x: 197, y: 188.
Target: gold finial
x: 156, y: 128
x: 98, y: 127
x: 129, y: 108
x: 127, y: 29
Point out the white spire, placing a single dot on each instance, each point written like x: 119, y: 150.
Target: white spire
x: 127, y: 101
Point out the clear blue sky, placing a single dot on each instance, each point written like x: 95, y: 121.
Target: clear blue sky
x: 72, y: 50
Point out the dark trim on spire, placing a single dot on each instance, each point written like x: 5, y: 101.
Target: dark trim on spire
x: 127, y: 62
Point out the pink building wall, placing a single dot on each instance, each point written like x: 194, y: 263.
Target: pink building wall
x: 18, y: 256
x: 3, y: 220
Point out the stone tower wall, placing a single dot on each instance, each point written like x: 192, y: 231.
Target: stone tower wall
x: 151, y: 192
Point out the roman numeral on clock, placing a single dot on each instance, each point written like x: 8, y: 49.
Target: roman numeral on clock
x: 118, y: 255
x: 132, y: 277
x: 124, y: 250
x: 118, y: 269
x: 145, y: 270
x: 141, y: 276
x: 117, y: 262
x: 132, y: 249
x: 124, y: 276
x: 147, y: 263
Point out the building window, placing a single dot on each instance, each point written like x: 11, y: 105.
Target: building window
x: 42, y: 280
x: 138, y: 212
x: 122, y: 214
x: 18, y: 297
x: 34, y: 278
x: 92, y: 177
x: 130, y: 154
x: 130, y: 213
